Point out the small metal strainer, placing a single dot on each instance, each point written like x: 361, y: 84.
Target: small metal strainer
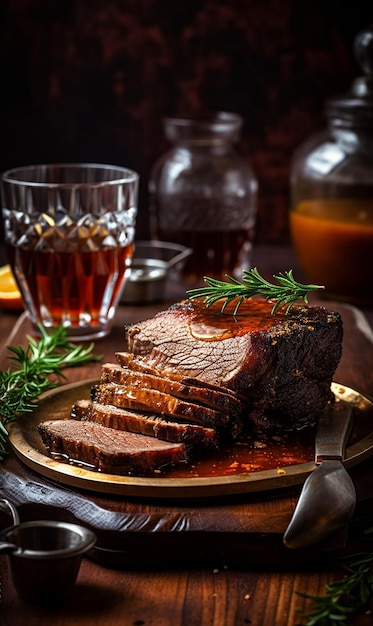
x: 152, y: 265
x: 44, y: 556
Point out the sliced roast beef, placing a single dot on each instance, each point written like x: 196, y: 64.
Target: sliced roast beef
x: 282, y: 365
x: 109, y: 450
x: 194, y: 375
x: 151, y: 424
x: 202, y: 395
x: 163, y: 403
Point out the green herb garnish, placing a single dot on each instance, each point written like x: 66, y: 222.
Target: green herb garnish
x: 343, y: 597
x: 20, y: 386
x: 285, y: 293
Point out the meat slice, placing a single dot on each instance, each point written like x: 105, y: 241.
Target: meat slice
x: 202, y: 395
x: 109, y: 450
x: 150, y: 424
x: 165, y: 404
x: 137, y: 363
x: 282, y: 365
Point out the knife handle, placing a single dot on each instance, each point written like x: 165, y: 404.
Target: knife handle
x: 332, y: 431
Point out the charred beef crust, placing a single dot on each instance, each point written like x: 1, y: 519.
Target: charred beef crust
x: 150, y: 424
x: 110, y: 450
x: 282, y: 365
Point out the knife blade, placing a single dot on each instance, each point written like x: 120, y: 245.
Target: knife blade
x: 327, y: 500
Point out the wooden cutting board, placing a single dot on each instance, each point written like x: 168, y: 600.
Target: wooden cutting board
x: 146, y: 532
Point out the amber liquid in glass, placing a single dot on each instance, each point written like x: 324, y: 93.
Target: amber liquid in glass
x: 219, y: 230
x: 333, y: 241
x: 76, y: 289
x: 215, y: 253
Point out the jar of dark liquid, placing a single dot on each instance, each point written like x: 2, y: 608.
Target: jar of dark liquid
x: 203, y: 195
x: 331, y: 217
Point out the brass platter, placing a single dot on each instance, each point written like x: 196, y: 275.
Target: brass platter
x: 56, y: 404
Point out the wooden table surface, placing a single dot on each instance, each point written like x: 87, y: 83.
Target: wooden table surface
x: 233, y: 577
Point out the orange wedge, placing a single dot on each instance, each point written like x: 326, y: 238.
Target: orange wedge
x: 10, y: 296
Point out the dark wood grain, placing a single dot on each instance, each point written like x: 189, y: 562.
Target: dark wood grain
x: 230, y: 569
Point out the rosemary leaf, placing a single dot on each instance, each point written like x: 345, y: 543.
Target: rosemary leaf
x: 343, y: 597
x: 285, y: 293
x: 36, y: 369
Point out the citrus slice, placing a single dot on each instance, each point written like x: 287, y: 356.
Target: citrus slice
x: 10, y: 296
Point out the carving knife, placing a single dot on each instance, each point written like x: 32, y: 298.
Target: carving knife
x: 327, y: 500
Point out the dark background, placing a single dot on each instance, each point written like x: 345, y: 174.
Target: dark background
x: 90, y: 80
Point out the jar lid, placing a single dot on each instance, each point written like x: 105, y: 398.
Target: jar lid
x: 355, y: 109
x: 215, y: 126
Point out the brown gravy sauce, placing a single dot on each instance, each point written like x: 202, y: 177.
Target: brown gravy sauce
x: 210, y: 325
x: 277, y: 454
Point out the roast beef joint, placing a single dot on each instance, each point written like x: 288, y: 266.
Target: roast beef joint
x: 191, y: 379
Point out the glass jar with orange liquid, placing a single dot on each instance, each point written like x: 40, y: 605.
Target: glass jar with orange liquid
x: 331, y: 217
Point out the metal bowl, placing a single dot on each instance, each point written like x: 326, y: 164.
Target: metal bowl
x: 44, y: 556
x: 153, y: 264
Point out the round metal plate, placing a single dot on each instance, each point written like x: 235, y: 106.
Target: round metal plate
x: 56, y: 404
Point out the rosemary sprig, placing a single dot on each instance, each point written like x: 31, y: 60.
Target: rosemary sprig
x: 343, y: 597
x: 286, y: 292
x: 36, y: 369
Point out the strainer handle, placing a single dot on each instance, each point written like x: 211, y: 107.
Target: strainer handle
x: 12, y: 509
x: 179, y: 257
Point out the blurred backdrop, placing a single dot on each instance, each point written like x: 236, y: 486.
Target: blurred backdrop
x: 90, y: 80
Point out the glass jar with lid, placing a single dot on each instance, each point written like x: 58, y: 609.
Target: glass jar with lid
x: 331, y: 217
x: 203, y: 195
